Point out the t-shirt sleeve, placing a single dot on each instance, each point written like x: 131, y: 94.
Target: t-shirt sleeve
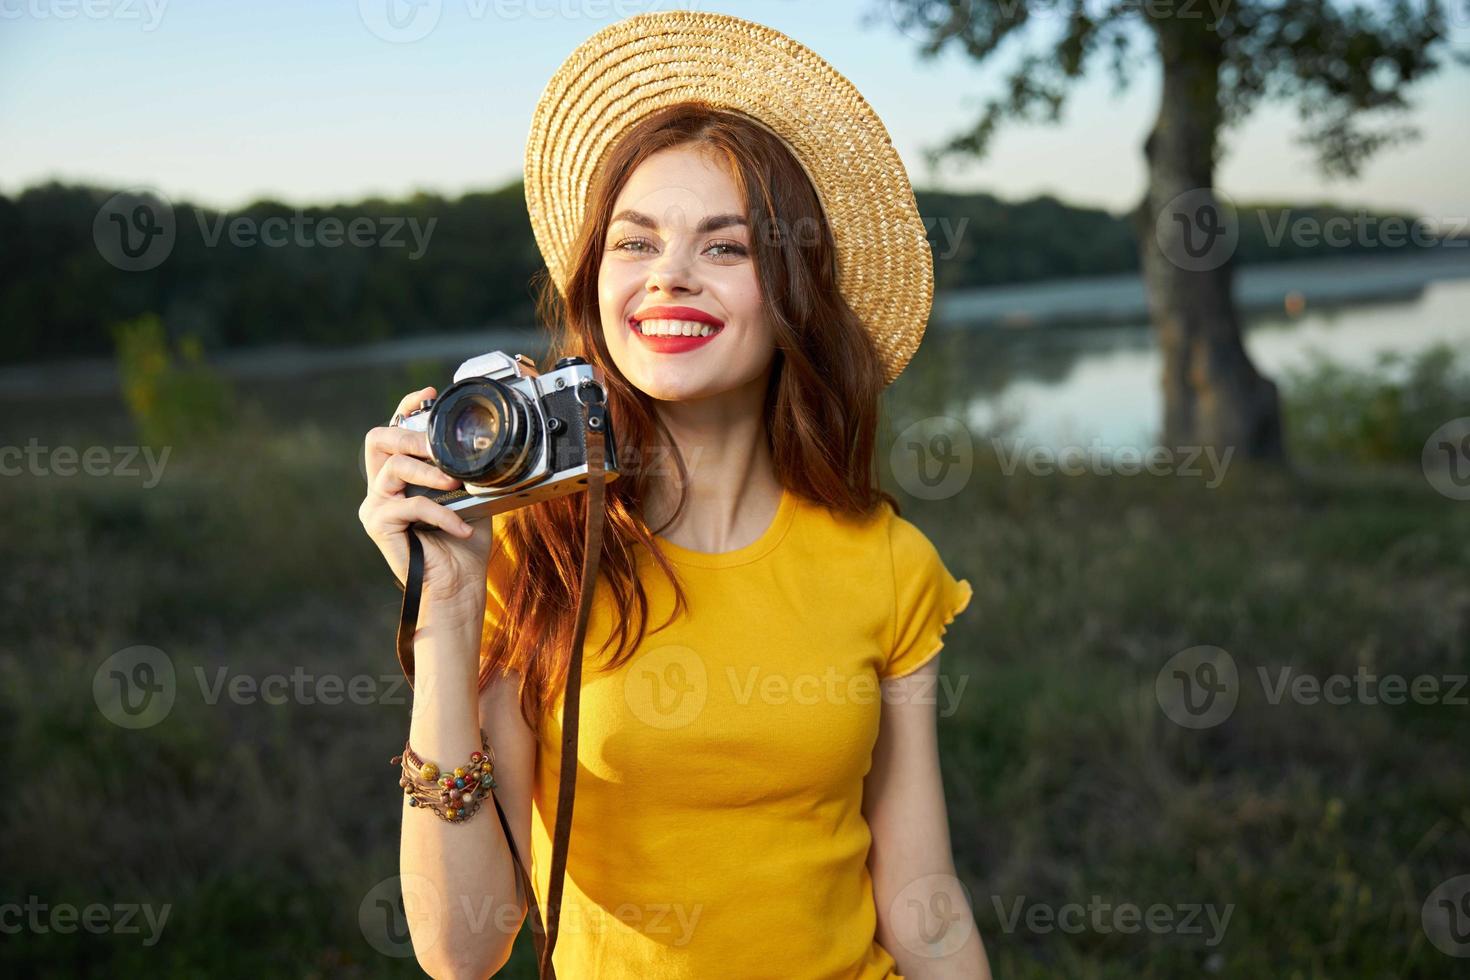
x: 927, y: 598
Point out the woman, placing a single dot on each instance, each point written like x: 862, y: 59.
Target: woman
x: 759, y: 790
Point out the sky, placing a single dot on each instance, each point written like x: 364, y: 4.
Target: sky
x: 333, y: 100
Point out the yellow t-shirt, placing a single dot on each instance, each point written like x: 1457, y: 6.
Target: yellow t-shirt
x: 718, y: 827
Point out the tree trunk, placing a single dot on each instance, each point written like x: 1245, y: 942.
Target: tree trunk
x: 1213, y: 394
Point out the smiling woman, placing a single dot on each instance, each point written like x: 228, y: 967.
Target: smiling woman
x: 723, y: 827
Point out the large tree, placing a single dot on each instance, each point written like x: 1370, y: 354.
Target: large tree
x: 1346, y: 68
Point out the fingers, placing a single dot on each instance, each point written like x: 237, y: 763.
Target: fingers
x: 407, y: 510
x: 399, y: 471
x: 389, y: 440
x: 385, y: 440
x: 413, y: 399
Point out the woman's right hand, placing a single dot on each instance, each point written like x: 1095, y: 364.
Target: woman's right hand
x: 455, y: 554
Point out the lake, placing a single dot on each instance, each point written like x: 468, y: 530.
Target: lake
x: 1072, y: 384
x: 1067, y: 361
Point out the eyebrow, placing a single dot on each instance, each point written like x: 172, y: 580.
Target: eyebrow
x: 713, y: 223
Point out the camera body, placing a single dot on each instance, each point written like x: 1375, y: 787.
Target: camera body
x: 512, y: 436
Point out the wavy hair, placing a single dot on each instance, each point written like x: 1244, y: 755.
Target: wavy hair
x: 825, y: 385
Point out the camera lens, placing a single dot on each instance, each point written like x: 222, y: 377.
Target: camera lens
x: 475, y: 427
x: 482, y: 431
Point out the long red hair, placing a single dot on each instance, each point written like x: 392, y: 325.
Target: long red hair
x: 825, y: 386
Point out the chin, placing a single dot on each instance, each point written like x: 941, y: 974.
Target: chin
x: 675, y: 389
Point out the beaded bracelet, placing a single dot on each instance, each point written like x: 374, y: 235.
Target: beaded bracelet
x: 454, y: 795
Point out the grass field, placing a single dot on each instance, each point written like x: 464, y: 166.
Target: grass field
x: 1305, y: 836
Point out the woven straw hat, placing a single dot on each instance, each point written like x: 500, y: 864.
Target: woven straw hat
x: 646, y: 62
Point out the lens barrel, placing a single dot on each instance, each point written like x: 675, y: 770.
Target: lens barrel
x: 483, y: 431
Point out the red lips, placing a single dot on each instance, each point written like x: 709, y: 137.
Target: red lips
x: 674, y: 344
x: 677, y: 313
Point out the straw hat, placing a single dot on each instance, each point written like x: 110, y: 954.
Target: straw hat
x: 649, y: 61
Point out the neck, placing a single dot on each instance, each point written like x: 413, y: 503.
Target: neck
x: 732, y: 490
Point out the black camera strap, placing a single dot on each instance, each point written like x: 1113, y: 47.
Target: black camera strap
x: 594, y: 425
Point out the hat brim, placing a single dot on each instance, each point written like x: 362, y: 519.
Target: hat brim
x: 885, y: 268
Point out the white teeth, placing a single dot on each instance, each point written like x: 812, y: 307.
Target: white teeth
x: 674, y: 328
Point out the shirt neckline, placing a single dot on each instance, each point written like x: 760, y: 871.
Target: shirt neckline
x: 758, y: 548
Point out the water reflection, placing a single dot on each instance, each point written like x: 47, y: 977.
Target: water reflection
x: 1057, y: 386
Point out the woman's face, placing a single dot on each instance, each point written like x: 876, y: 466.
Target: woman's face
x: 678, y: 263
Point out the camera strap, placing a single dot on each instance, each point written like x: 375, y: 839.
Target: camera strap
x: 594, y: 425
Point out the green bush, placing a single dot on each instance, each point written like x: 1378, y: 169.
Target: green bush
x: 1373, y: 415
x: 172, y: 396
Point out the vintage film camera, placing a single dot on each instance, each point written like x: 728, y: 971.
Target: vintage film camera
x: 513, y: 436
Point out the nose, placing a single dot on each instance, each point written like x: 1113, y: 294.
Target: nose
x: 671, y: 274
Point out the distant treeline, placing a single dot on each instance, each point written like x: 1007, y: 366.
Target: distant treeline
x: 375, y: 269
